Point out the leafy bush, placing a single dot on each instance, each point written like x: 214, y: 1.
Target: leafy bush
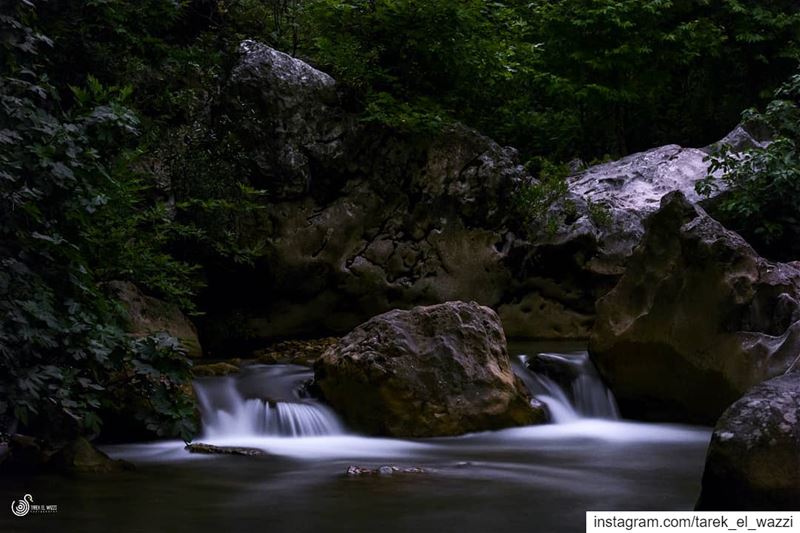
x: 599, y: 214
x: 544, y: 204
x: 763, y: 183
x: 61, y: 336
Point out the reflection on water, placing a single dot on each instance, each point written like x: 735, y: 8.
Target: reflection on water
x: 539, y: 479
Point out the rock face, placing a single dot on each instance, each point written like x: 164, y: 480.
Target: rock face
x: 630, y: 189
x: 299, y: 122
x: 753, y: 461
x: 431, y: 371
x: 148, y: 315
x: 360, y: 219
x: 696, y: 320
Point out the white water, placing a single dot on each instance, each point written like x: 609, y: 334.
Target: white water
x: 267, y: 402
x: 585, y: 396
x: 584, y: 435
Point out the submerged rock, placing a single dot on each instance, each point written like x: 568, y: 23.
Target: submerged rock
x: 753, y: 461
x: 385, y: 470
x: 199, y: 447
x: 697, y: 319
x: 559, y: 370
x: 148, y: 315
x: 430, y: 371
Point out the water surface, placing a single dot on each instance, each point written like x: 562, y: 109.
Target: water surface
x: 540, y: 478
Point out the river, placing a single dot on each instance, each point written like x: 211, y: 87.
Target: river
x: 539, y: 478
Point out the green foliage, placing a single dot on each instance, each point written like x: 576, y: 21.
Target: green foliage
x: 764, y: 182
x: 543, y: 204
x: 599, y: 214
x: 61, y: 339
x: 421, y: 118
x: 437, y: 56
x: 559, y: 78
x: 151, y: 384
x: 208, y: 171
x: 279, y: 22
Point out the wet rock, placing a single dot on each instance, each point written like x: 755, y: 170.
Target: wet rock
x: 80, y: 456
x: 753, y: 461
x: 148, y: 315
x: 223, y: 368
x: 430, y: 371
x: 27, y: 455
x: 295, y: 352
x: 385, y: 470
x: 563, y: 372
x: 697, y: 319
x: 199, y: 447
x: 24, y: 455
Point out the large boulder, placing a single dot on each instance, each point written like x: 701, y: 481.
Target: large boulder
x: 360, y: 218
x: 289, y: 114
x: 753, y: 461
x: 148, y: 315
x: 431, y: 371
x: 697, y: 319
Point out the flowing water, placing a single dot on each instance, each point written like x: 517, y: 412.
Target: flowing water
x: 263, y: 400
x: 538, y: 478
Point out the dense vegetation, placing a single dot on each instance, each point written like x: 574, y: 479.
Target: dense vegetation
x: 763, y: 184
x: 104, y: 120
x: 69, y: 204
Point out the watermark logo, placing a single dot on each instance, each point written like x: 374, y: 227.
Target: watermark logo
x: 22, y: 507
x: 25, y: 505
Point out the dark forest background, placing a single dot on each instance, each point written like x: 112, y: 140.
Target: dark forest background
x: 100, y: 103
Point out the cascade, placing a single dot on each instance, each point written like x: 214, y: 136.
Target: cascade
x: 263, y: 401
x: 568, y: 384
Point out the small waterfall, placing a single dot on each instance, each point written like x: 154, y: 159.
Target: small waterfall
x: 263, y: 401
x: 568, y: 384
x: 546, y: 391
